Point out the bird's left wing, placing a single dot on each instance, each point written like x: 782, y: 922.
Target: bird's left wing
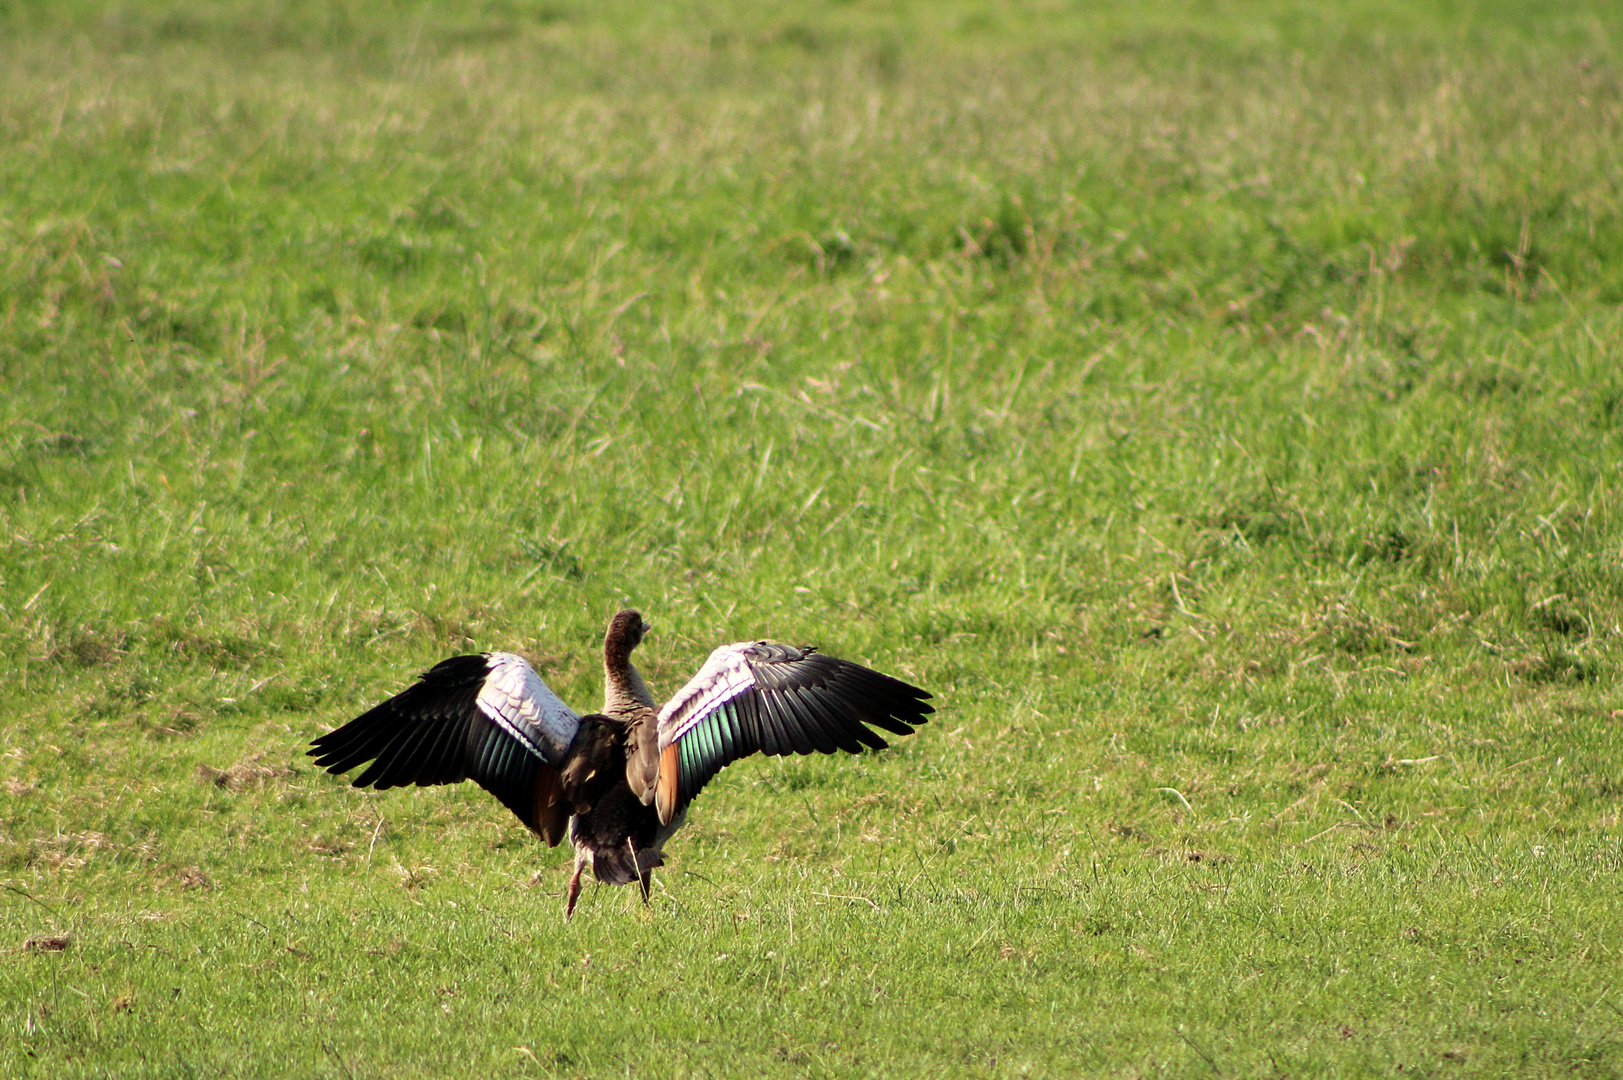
x: 489, y: 718
x: 776, y: 699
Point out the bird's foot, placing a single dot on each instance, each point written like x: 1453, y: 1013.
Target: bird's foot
x: 574, y: 890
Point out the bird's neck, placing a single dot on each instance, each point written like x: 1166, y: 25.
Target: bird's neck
x: 624, y: 692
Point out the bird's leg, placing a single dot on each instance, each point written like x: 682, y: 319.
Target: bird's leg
x: 574, y: 886
x: 645, y: 878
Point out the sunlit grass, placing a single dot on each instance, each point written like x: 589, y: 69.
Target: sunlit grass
x: 1216, y: 408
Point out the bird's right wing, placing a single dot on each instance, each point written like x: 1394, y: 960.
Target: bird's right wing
x: 776, y: 699
x: 488, y: 717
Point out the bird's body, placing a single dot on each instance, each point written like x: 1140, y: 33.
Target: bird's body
x: 617, y: 782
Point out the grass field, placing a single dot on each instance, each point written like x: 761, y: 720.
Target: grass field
x: 1218, y: 406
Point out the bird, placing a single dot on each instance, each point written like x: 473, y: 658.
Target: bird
x: 617, y: 782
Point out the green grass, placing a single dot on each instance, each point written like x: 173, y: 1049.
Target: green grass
x: 1217, y: 406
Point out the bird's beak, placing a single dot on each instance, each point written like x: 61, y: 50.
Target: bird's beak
x: 647, y: 627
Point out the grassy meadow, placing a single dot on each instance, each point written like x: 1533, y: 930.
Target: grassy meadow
x: 1217, y: 405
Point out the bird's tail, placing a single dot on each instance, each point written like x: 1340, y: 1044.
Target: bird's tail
x: 620, y: 867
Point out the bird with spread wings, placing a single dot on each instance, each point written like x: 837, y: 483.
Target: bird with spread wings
x: 617, y: 782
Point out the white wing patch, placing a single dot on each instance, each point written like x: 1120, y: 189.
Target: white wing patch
x: 523, y: 705
x: 725, y: 675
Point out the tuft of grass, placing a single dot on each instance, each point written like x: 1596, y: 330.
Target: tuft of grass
x: 1217, y: 409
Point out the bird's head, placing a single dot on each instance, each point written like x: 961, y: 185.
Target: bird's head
x: 625, y: 633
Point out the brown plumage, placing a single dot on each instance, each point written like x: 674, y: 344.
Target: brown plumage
x: 619, y: 781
